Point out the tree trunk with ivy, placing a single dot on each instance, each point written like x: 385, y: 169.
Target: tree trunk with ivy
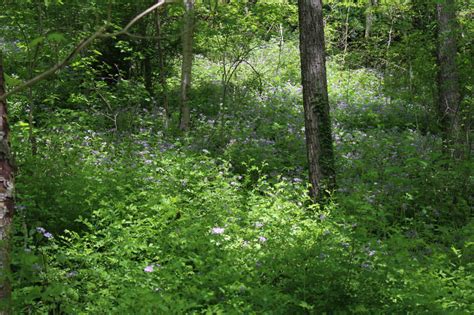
x: 318, y: 132
x: 6, y: 200
x: 449, y: 96
x: 187, y: 40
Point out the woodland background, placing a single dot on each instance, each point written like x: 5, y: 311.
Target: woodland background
x: 123, y: 206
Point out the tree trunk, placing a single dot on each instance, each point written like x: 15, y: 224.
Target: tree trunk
x: 315, y: 98
x: 369, y: 17
x: 31, y: 123
x: 148, y: 74
x: 147, y: 69
x: 187, y: 64
x: 449, y: 97
x: 6, y: 200
x: 161, y: 65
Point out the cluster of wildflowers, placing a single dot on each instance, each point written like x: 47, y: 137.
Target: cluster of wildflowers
x: 217, y: 230
x: 151, y: 268
x: 45, y: 233
x: 20, y: 207
x: 72, y: 274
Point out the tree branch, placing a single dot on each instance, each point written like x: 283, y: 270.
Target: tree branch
x: 83, y: 44
x: 137, y: 18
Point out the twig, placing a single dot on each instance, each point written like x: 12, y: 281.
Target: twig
x: 259, y: 76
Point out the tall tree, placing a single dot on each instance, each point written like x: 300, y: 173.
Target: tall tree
x: 161, y: 66
x: 6, y: 199
x: 449, y: 96
x: 187, y: 39
x: 315, y: 97
x: 369, y: 17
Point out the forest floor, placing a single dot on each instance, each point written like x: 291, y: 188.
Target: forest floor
x: 218, y: 220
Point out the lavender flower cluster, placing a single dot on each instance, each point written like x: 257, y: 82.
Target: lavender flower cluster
x: 45, y: 233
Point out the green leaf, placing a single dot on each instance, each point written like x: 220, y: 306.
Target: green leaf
x: 305, y: 305
x: 22, y: 124
x: 11, y: 81
x: 36, y: 41
x: 56, y: 37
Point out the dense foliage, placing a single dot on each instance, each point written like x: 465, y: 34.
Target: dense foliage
x: 118, y: 211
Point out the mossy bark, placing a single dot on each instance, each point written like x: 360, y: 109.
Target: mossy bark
x: 449, y: 96
x: 315, y: 98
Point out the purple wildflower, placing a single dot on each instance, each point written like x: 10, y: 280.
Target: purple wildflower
x: 217, y: 230
x: 258, y: 224
x: 345, y: 245
x: 40, y: 229
x: 262, y: 239
x: 365, y: 266
x: 149, y: 268
x: 48, y: 235
x: 20, y: 207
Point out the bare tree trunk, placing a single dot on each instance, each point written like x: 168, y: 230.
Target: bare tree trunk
x: 369, y: 17
x: 148, y: 73
x: 346, y: 35
x: 449, y: 97
x: 32, y: 65
x: 6, y: 200
x: 187, y: 64
x: 146, y: 64
x: 315, y: 98
x: 161, y: 65
x: 31, y: 123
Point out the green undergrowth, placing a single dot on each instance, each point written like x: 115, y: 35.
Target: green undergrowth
x: 164, y: 228
x: 126, y: 216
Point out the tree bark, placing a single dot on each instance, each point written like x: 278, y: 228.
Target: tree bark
x: 146, y: 46
x: 148, y: 71
x: 449, y: 96
x: 6, y: 200
x: 187, y: 64
x: 369, y: 17
x: 315, y: 98
x: 161, y: 65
